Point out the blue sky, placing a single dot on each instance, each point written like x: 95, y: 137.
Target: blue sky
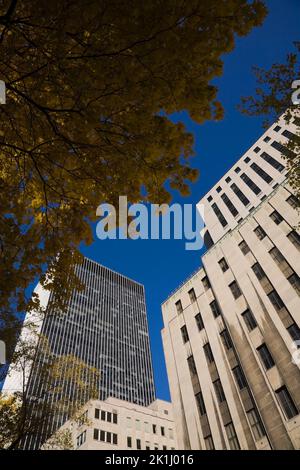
x: 161, y: 265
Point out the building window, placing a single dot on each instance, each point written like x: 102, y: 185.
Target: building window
x: 209, y: 443
x: 228, y: 179
x: 108, y: 417
x: 226, y: 339
x: 272, y: 161
x: 235, y: 289
x: 260, y: 233
x: 223, y: 265
x: 296, y: 121
x: 200, y: 403
x: 244, y: 247
x: 208, y: 353
x: 290, y: 135
x: 219, y: 215
x: 229, y: 205
x: 199, y: 321
x: 97, y: 413
x: 256, y: 424
x: 256, y: 150
x: 192, y: 365
x: 294, y: 332
x: 276, y: 300
x: 286, y: 402
x: 267, y: 139
x: 267, y: 178
x: 184, y: 334
x: 294, y: 238
x: 245, y: 201
x: 281, y: 261
x: 208, y: 241
x: 108, y: 437
x: 81, y: 439
x: 156, y: 447
x: 164, y: 447
x: 147, y: 447
x: 209, y: 198
x: 283, y: 149
x: 237, y: 169
x: 248, y: 181
x: 258, y: 271
x: 102, y: 436
x: 265, y: 356
x: 171, y: 434
x: 239, y: 377
x: 219, y: 189
x: 206, y: 283
x: 154, y: 428
x: 295, y: 282
x: 277, y: 128
x: 179, y: 306
x: 232, y: 437
x: 276, y: 217
x: 249, y: 319
x: 103, y: 415
x: 215, y: 308
x: 219, y: 391
x: 276, y: 255
x: 115, y: 418
x: 96, y: 434
x: 129, y: 441
x: 247, y: 160
x: 293, y: 201
x: 162, y: 431
x: 138, y: 444
x: 192, y: 295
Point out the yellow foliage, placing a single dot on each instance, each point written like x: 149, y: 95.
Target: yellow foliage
x: 89, y: 89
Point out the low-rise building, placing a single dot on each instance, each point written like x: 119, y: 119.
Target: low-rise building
x: 115, y: 424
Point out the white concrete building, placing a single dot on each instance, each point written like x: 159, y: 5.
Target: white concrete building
x: 116, y: 424
x: 231, y: 330
x: 247, y: 183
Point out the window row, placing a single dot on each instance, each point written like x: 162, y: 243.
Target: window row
x: 258, y: 170
x: 275, y: 298
x: 149, y: 427
x: 105, y: 436
x: 253, y: 416
x: 147, y: 445
x: 282, y: 394
x: 106, y: 416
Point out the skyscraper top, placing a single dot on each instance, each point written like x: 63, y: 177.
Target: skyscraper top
x: 254, y: 176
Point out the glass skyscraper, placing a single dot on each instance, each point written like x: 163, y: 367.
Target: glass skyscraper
x: 105, y: 326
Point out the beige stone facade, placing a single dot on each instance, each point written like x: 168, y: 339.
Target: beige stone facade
x: 231, y: 330
x: 115, y: 424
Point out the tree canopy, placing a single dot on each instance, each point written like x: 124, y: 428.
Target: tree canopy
x: 90, y: 87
